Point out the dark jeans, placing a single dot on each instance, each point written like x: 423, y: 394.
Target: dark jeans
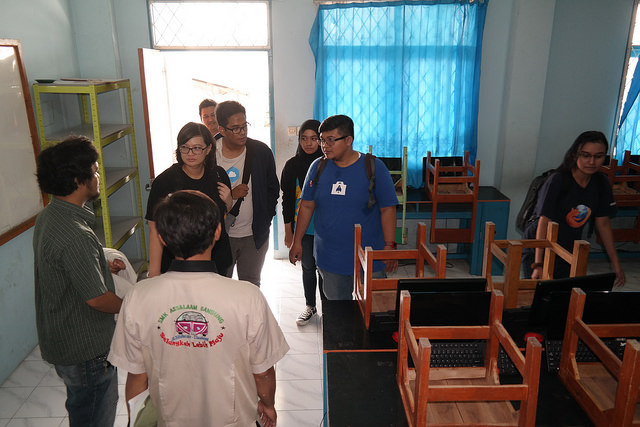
x: 310, y: 274
x: 92, y: 392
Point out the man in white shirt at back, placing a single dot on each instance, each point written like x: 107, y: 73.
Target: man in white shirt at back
x: 203, y: 344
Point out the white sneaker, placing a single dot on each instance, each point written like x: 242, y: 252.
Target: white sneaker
x: 306, y: 315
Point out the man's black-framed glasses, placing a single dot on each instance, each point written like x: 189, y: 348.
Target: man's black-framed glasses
x: 330, y: 141
x: 239, y: 129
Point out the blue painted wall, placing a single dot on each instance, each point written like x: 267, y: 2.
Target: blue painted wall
x: 44, y: 30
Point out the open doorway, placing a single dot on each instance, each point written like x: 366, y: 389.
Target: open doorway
x: 176, y: 81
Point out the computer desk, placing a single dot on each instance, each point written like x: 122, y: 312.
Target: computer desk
x: 360, y: 386
x: 492, y: 206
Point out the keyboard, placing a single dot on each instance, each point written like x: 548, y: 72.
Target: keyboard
x: 446, y: 354
x: 553, y: 350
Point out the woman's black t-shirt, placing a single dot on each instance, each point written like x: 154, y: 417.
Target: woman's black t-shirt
x: 175, y: 179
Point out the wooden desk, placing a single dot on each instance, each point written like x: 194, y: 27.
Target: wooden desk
x: 492, y: 206
x: 360, y: 386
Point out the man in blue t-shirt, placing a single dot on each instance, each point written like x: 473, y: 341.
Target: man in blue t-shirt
x: 340, y: 200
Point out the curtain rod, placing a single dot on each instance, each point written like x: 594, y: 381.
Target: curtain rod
x: 319, y: 2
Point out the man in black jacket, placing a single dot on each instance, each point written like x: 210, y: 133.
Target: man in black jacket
x: 254, y: 186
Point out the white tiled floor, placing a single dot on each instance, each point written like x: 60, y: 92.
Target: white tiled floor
x: 34, y: 395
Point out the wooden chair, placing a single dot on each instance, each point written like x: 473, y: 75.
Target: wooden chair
x: 606, y: 391
x: 625, y: 183
x: 379, y: 295
x: 398, y: 170
x: 452, y: 185
x: 465, y: 395
x: 518, y: 291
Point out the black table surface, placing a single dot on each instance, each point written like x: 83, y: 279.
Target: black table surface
x: 361, y: 373
x: 362, y: 391
x: 485, y: 193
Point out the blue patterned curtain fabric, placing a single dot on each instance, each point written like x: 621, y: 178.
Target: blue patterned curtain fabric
x: 406, y: 72
x: 629, y: 127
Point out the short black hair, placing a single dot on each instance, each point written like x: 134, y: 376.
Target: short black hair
x: 343, y: 123
x: 571, y: 156
x: 187, y: 221
x: 191, y: 130
x: 62, y: 167
x: 226, y: 109
x: 207, y: 102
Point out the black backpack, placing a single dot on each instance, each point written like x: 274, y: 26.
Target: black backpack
x: 370, y: 164
x: 527, y: 211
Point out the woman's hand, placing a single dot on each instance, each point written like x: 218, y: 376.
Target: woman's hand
x: 288, y: 235
x: 225, y: 195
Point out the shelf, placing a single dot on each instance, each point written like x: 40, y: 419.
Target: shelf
x: 82, y: 86
x: 122, y: 227
x: 113, y: 231
x: 108, y: 132
x: 117, y: 177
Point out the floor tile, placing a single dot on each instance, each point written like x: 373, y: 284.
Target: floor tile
x: 121, y: 421
x: 4, y: 421
x: 44, y: 402
x: 28, y: 373
x: 51, y: 379
x: 37, y: 422
x: 307, y: 418
x: 301, y: 343
x: 287, y: 323
x: 298, y: 395
x: 35, y: 354
x: 11, y: 399
x: 299, y: 367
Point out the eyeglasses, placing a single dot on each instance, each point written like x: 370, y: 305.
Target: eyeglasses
x: 240, y: 129
x: 331, y: 141
x: 588, y: 156
x: 195, y: 150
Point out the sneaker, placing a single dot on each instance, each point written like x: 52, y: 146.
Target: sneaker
x: 306, y: 315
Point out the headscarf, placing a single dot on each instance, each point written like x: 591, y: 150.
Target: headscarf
x: 304, y: 160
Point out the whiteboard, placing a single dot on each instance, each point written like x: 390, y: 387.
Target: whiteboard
x: 20, y: 196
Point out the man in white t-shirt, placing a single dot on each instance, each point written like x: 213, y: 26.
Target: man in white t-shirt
x: 204, y: 345
x: 256, y: 191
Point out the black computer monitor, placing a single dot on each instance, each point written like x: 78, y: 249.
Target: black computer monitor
x: 448, y: 310
x: 599, y: 308
x: 541, y: 308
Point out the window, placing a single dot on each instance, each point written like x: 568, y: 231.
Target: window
x: 406, y: 72
x: 628, y: 126
x: 209, y: 24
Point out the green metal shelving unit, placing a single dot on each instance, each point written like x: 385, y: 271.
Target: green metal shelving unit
x: 114, y: 230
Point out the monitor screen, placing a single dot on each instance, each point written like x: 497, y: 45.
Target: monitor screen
x: 447, y: 311
x: 540, y: 307
x: 599, y: 308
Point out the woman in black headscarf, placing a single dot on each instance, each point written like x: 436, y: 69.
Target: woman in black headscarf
x: 291, y: 183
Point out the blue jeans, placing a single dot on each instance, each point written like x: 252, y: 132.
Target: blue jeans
x: 339, y: 287
x: 92, y: 392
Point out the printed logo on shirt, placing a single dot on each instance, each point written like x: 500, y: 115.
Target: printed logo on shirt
x: 233, y: 173
x: 193, y: 327
x: 339, y: 189
x: 578, y: 216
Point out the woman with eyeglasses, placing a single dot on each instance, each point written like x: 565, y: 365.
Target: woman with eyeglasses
x: 196, y: 169
x: 291, y: 183
x: 576, y: 195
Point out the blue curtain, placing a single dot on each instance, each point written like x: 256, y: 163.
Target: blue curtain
x: 629, y: 127
x: 406, y: 72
